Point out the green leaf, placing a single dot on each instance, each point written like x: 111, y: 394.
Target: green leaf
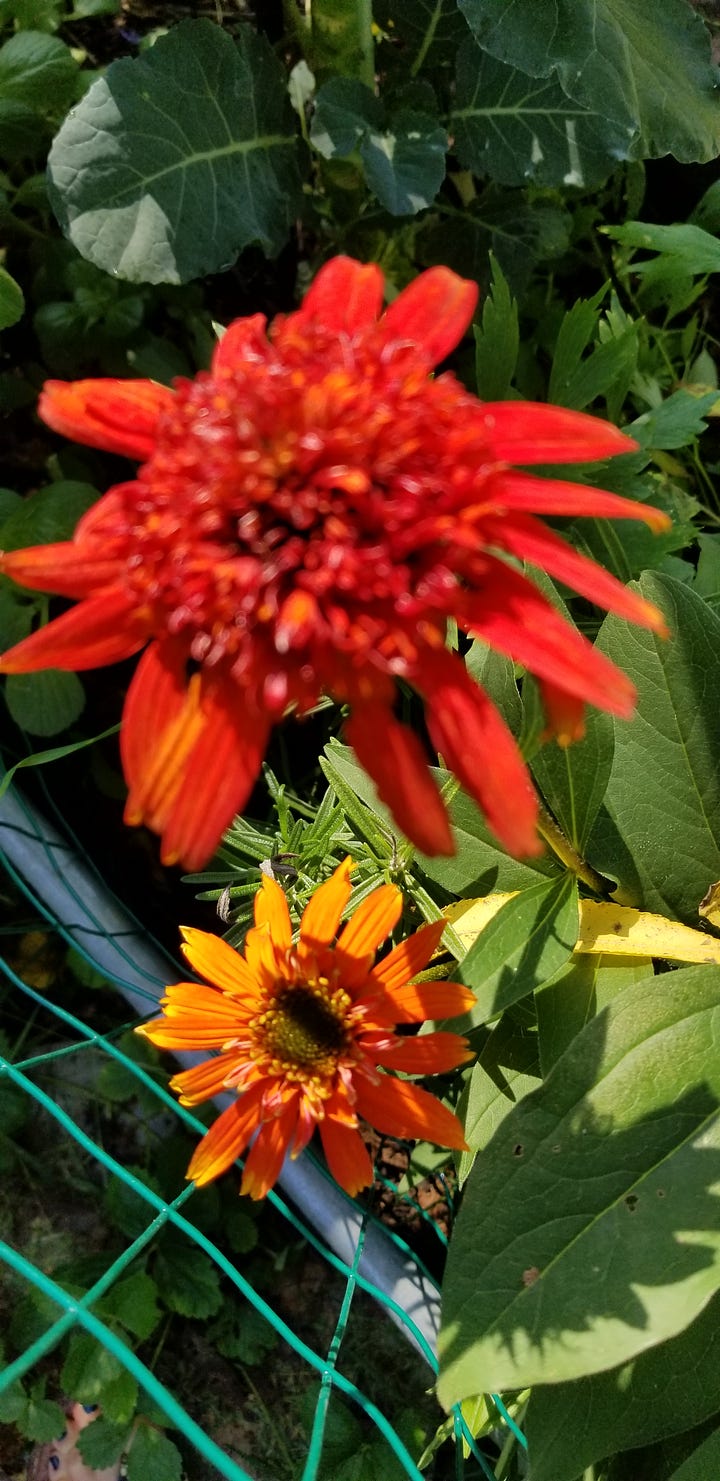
x: 584, y: 987
x: 44, y: 703
x: 576, y: 381
x: 403, y: 154
x: 692, y: 248
x: 659, y: 829
x: 152, y: 1454
x: 13, y: 1403
x: 588, y: 1231
x: 497, y: 338
x: 88, y: 1369
x: 126, y: 1209
x: 647, y: 69
x: 119, y: 1397
x: 101, y: 1443
x: 48, y: 515
x: 573, y: 779
x: 495, y: 673
x: 12, y: 302
x: 133, y: 1302
x: 429, y: 30
x: 516, y: 128
x: 571, y: 1425
x: 527, y: 942
x: 16, y: 613
x: 242, y: 1332
x: 487, y: 1099
x: 37, y: 70
x: 674, y: 423
x: 43, y: 1420
x: 703, y: 1464
x: 173, y: 163
x: 187, y: 1280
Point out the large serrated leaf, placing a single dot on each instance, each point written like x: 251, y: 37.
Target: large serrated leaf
x: 645, y: 67
x: 570, y: 1425
x: 176, y: 161
x: 589, y: 1229
x: 516, y: 128
x: 659, y: 829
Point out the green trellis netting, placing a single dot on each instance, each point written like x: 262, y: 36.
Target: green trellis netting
x: 70, y: 895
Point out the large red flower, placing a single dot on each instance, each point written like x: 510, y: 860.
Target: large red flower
x: 305, y: 1031
x: 309, y: 514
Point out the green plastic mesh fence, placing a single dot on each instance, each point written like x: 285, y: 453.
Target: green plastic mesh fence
x: 66, y: 891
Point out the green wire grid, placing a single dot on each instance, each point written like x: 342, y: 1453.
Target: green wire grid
x: 44, y: 865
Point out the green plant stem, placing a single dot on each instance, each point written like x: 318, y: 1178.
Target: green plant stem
x: 341, y: 43
x: 568, y: 854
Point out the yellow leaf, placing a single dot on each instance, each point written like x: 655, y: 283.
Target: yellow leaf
x: 709, y: 907
x: 605, y: 929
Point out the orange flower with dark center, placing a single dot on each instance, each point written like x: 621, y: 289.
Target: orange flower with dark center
x: 305, y: 1032
x: 310, y: 514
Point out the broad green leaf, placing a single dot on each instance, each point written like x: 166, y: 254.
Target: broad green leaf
x: 101, y: 1443
x: 43, y: 1420
x: 573, y: 779
x: 48, y: 515
x: 489, y: 1096
x: 628, y: 547
x: 707, y: 576
x: 37, y: 70
x: 186, y: 1278
x: 44, y: 703
x: 589, y: 1228
x: 403, y: 154
x: 659, y: 829
x: 497, y: 339
x: 495, y: 673
x: 646, y: 68
x: 119, y: 1397
x: 12, y: 302
x: 152, y: 1454
x: 128, y: 1210
x: 88, y: 1369
x: 516, y: 128
x: 430, y: 30
x: 133, y: 1302
x: 242, y: 1332
x: 520, y: 231
x: 704, y: 1462
x: 16, y: 613
x: 527, y: 942
x: 583, y: 988
x: 175, y: 161
x: 570, y: 1425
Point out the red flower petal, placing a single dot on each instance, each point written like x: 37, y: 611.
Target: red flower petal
x: 394, y: 758
x: 433, y: 312
x: 119, y: 416
x: 269, y: 1151
x: 409, y: 958
x: 345, y: 296
x: 65, y: 569
x: 189, y: 756
x: 421, y: 1000
x: 226, y: 1139
x: 565, y: 714
x: 527, y: 538
x: 522, y: 491
x: 100, y: 630
x: 511, y: 615
x: 477, y: 746
x: 243, y: 340
x: 529, y: 432
x: 426, y: 1054
x: 401, y: 1109
x: 347, y: 1156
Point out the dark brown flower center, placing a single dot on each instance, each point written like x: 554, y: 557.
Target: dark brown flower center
x: 304, y: 1028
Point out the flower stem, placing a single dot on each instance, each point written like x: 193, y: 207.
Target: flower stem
x: 342, y: 40
x: 551, y: 831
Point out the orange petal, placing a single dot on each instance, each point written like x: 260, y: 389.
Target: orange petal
x: 565, y: 714
x: 271, y: 909
x: 65, y: 568
x: 395, y: 759
x: 529, y: 432
x: 323, y: 912
x: 265, y: 963
x: 373, y: 920
x: 100, y: 630
x: 203, y: 1080
x: 347, y: 1156
x: 218, y: 962
x: 530, y: 540
x: 478, y: 748
x: 269, y: 1151
x: 433, y: 312
x: 426, y: 1054
x: 512, y: 490
x: 118, y: 416
x: 408, y: 958
x: 401, y: 1109
x: 345, y: 296
x: 226, y: 1139
x: 419, y: 1001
